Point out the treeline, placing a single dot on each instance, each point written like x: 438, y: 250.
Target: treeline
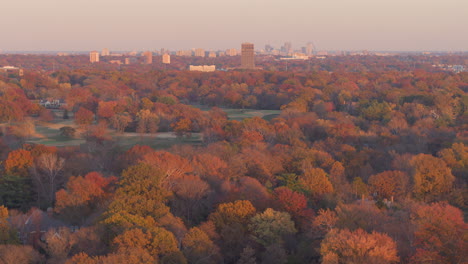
x: 368, y: 63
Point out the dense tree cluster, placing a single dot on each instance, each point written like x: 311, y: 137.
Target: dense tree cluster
x: 367, y: 163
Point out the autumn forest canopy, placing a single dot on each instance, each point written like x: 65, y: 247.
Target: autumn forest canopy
x: 347, y: 159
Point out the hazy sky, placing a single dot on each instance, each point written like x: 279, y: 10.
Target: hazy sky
x: 219, y: 24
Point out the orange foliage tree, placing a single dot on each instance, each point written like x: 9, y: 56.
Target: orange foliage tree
x: 344, y: 246
x: 198, y: 247
x: 84, y: 117
x: 441, y: 234
x: 231, y: 222
x: 316, y: 182
x: 389, y: 183
x: 432, y: 177
x: 83, y: 194
x: 18, y: 162
x: 172, y: 166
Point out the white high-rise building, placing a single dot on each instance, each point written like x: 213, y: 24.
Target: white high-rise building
x: 94, y: 56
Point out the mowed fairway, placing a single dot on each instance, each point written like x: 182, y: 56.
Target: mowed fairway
x: 48, y: 133
x: 50, y: 136
x: 241, y: 114
x: 160, y: 140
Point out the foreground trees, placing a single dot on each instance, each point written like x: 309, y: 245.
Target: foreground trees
x: 270, y: 227
x: 346, y: 172
x: 441, y: 234
x: 12, y: 254
x: 431, y: 176
x: 198, y: 247
x: 47, y: 176
x: 7, y: 233
x: 344, y: 246
x: 140, y: 200
x: 83, y: 195
x: 390, y: 184
x: 231, y: 222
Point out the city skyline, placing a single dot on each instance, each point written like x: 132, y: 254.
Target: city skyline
x: 53, y: 25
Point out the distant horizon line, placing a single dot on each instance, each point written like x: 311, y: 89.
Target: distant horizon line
x: 6, y: 52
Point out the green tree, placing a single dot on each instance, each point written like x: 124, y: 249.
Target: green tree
x: 359, y: 187
x: 67, y: 131
x: 375, y: 111
x: 271, y: 226
x: 16, y: 191
x: 7, y: 233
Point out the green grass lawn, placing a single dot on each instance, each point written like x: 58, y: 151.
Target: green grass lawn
x: 51, y: 136
x: 240, y: 114
x: 159, y: 141
x: 49, y: 133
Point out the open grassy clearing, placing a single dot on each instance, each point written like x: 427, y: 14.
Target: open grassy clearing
x: 161, y: 140
x: 48, y: 133
x: 240, y: 114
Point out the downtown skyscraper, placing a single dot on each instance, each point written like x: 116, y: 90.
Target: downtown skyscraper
x: 247, y: 56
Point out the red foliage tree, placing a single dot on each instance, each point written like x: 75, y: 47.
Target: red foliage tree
x: 294, y: 203
x: 83, y: 194
x: 84, y: 117
x: 344, y: 246
x: 441, y: 234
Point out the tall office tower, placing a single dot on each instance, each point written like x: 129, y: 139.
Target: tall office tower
x: 247, y: 56
x: 309, y: 49
x: 199, y: 53
x: 148, y: 57
x: 105, y: 52
x: 288, y: 47
x: 268, y: 48
x: 212, y: 54
x: 231, y: 52
x: 186, y: 53
x: 94, y: 56
x: 166, y: 58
